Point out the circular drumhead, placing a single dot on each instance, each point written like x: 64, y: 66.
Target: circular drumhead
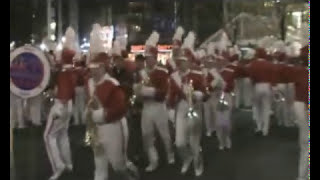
x: 29, y: 71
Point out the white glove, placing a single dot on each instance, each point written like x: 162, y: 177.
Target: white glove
x: 171, y: 113
x: 98, y: 116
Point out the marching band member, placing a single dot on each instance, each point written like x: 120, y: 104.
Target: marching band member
x: 281, y: 111
x: 188, y: 84
x: 247, y: 84
x: 212, y: 78
x: 238, y: 75
x: 300, y: 79
x: 106, y: 108
x: 261, y: 73
x: 80, y: 94
x: 176, y: 47
x: 292, y: 54
x: 225, y: 102
x: 153, y: 89
x: 56, y: 132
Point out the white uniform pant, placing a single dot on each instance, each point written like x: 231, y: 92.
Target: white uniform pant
x: 262, y: 106
x: 224, y: 124
x: 238, y: 91
x: 247, y: 92
x: 56, y: 136
x: 35, y: 104
x: 210, y: 113
x: 281, y: 108
x: 155, y: 117
x: 79, y: 105
x: 16, y: 104
x: 112, y: 138
x: 290, y: 97
x: 301, y: 113
x: 188, y: 135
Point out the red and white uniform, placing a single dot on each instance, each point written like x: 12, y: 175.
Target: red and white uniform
x: 80, y: 94
x: 188, y: 132
x: 213, y: 79
x: 56, y: 132
x: 300, y: 79
x: 154, y: 113
x: 223, y: 118
x: 261, y: 73
x: 111, y: 129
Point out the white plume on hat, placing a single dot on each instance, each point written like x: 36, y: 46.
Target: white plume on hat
x: 153, y: 39
x: 223, y: 43
x: 293, y: 50
x: 178, y: 34
x: 116, y: 48
x: 189, y: 41
x: 96, y: 42
x: 200, y: 53
x: 70, y: 42
x: 279, y: 46
x: 211, y: 49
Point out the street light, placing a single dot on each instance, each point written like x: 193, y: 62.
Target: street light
x: 63, y: 39
x: 53, y: 37
x: 43, y: 46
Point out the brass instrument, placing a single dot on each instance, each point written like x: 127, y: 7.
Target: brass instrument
x: 144, y: 82
x: 223, y: 104
x: 90, y: 138
x: 191, y: 114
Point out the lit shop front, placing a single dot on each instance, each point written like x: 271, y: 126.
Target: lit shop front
x: 164, y: 52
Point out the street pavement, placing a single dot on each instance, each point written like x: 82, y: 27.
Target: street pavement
x: 252, y: 157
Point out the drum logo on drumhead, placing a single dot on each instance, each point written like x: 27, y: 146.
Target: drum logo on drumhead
x: 26, y: 71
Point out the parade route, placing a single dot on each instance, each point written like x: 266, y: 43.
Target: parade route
x: 252, y: 157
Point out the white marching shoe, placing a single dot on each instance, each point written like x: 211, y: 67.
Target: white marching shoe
x: 186, y: 165
x: 221, y: 147
x: 198, y: 171
x: 69, y: 167
x: 57, y: 174
x: 151, y: 167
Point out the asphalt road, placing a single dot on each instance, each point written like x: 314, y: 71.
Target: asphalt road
x: 251, y: 158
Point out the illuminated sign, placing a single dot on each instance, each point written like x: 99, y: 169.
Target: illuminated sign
x: 141, y: 48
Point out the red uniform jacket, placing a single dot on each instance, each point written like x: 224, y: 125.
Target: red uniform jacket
x: 159, y: 80
x: 261, y: 71
x: 65, y: 84
x: 111, y: 97
x: 228, y: 75
x: 176, y: 93
x: 299, y: 75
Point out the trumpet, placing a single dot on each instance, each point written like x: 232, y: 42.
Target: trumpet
x: 90, y: 138
x: 191, y: 114
x: 223, y: 104
x: 144, y: 82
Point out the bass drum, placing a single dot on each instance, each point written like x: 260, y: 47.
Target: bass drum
x: 30, y: 72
